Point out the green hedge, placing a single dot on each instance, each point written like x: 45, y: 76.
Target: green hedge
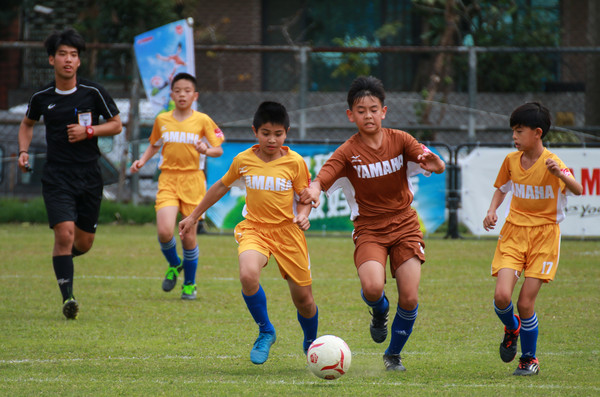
x: 34, y: 211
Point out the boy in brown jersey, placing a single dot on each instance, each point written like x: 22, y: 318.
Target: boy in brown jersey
x: 376, y: 164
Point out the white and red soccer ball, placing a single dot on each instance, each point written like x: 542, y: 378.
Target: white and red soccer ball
x: 329, y: 357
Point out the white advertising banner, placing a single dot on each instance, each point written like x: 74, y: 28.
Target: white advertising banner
x: 480, y: 168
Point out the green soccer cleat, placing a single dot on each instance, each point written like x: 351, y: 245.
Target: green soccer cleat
x: 171, y: 277
x: 70, y: 309
x: 260, y: 351
x: 188, y: 291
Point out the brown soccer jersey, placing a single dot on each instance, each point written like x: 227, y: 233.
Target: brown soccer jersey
x: 375, y: 182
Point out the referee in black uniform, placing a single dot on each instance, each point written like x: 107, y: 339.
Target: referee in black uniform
x: 72, y: 181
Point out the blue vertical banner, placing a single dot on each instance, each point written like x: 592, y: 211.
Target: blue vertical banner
x: 334, y: 212
x: 161, y: 53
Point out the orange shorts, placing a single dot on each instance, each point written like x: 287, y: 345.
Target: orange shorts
x: 182, y: 189
x: 286, y: 242
x: 398, y: 236
x: 533, y: 250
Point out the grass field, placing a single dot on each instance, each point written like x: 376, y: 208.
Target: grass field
x: 132, y: 338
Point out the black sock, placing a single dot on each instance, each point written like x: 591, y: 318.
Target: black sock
x: 63, y: 268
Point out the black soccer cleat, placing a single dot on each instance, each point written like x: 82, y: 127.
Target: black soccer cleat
x: 70, y: 309
x: 527, y: 366
x: 378, y: 326
x: 393, y: 362
x: 508, y: 347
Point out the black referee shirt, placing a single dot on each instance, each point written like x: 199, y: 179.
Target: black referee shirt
x: 59, y: 110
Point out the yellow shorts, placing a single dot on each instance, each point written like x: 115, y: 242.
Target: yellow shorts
x: 286, y: 242
x: 182, y: 189
x: 531, y: 250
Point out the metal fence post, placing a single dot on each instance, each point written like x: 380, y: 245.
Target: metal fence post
x: 134, y: 125
x: 303, y: 90
x: 472, y: 92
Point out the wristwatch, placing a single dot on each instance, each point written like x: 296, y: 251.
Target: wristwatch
x: 89, y: 130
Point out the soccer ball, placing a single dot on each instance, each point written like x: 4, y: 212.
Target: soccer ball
x: 329, y: 357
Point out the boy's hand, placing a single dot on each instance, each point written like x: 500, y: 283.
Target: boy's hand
x: 135, y: 167
x: 185, y: 225
x: 310, y: 195
x: 431, y: 162
x: 201, y: 147
x: 553, y: 167
x: 302, y: 222
x: 490, y: 221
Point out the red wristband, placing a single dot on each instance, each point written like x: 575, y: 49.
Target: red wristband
x: 89, y: 130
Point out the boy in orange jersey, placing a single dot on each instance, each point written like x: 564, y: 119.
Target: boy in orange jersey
x: 375, y: 165
x: 529, y: 241
x: 186, y: 137
x: 273, y: 175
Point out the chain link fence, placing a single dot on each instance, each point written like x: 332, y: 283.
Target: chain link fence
x: 233, y: 80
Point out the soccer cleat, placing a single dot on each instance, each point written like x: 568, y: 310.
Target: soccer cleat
x: 188, y: 291
x: 260, y: 351
x: 508, y: 347
x: 378, y: 326
x: 393, y: 362
x: 527, y: 366
x: 171, y: 277
x: 70, y: 308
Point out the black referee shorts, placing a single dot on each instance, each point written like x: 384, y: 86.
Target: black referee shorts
x: 73, y: 193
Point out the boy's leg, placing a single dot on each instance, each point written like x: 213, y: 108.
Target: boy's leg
x: 505, y: 284
x: 372, y: 280
x: 251, y: 263
x: 190, y: 264
x: 62, y: 262
x: 308, y: 313
x: 165, y: 224
x: 528, y: 363
x: 408, y: 277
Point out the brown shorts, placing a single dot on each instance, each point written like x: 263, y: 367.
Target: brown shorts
x: 398, y: 236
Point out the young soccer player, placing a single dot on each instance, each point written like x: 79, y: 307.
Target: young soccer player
x: 184, y: 135
x: 529, y: 241
x: 374, y: 166
x: 71, y: 182
x: 272, y: 174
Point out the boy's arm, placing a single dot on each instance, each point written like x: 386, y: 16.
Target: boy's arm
x: 311, y: 194
x: 214, y: 151
x: 77, y: 132
x: 571, y: 184
x: 25, y: 137
x: 151, y: 150
x: 431, y: 162
x: 301, y: 218
x: 213, y: 195
x: 491, y: 218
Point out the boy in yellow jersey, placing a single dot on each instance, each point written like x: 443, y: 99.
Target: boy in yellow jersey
x: 273, y: 176
x: 529, y: 241
x: 186, y: 137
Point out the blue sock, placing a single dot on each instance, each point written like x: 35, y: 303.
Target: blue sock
x: 401, y: 329
x: 190, y: 264
x: 257, y: 305
x: 169, y: 250
x: 309, y: 327
x: 507, y: 316
x: 529, y: 335
x: 379, y: 306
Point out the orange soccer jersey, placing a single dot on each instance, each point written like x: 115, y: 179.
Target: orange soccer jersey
x: 178, y: 138
x: 538, y: 197
x: 270, y: 187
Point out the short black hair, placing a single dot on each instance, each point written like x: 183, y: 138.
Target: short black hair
x: 69, y: 37
x: 271, y: 112
x: 183, y: 76
x: 364, y: 86
x: 532, y: 115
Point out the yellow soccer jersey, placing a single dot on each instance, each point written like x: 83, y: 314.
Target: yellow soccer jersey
x: 178, y: 138
x: 538, y: 197
x: 270, y: 187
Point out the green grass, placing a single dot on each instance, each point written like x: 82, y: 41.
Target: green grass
x: 132, y: 338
